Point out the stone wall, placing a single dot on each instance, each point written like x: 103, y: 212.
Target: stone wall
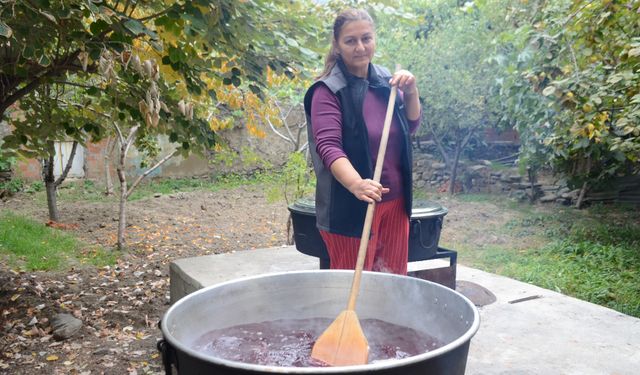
x: 483, y: 176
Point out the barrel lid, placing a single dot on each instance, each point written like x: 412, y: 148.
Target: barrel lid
x: 423, y: 208
x: 304, y: 205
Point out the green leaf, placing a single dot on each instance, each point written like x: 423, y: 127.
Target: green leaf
x: 213, y: 95
x: 634, y: 52
x: 255, y: 89
x: 98, y: 27
x: 49, y: 16
x: 5, y: 30
x: 292, y: 42
x: 44, y: 61
x: 29, y: 52
x: 135, y: 26
x: 615, y: 78
x: 93, y: 90
x: 549, y: 90
x: 308, y: 52
x: 92, y: 7
x: 174, y: 55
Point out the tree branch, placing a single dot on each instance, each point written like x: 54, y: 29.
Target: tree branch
x: 273, y: 128
x: 74, y: 84
x: 67, y: 167
x: 146, y: 173
x: 161, y: 13
x: 58, y: 68
x: 129, y: 141
x: 119, y: 132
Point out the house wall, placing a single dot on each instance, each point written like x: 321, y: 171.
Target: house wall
x: 94, y: 167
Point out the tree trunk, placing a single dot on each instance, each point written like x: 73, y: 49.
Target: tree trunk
x: 454, y: 169
x: 122, y: 218
x: 532, y: 184
x: 50, y: 187
x: 50, y: 183
x: 108, y: 150
x: 583, y: 190
x: 125, y: 191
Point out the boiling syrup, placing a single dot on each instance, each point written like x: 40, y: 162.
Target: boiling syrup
x: 288, y: 342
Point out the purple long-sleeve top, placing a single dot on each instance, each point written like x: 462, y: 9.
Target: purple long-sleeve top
x: 326, y: 120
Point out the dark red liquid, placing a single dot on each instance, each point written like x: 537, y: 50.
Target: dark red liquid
x: 288, y: 342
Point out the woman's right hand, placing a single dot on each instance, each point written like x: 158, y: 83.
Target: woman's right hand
x: 368, y: 190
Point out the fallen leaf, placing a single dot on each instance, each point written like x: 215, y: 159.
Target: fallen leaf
x: 52, y: 357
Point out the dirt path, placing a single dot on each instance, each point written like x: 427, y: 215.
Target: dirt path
x: 120, y: 306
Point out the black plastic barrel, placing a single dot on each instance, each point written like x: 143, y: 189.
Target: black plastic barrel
x: 427, y: 218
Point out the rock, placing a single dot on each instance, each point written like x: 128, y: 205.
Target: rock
x: 157, y: 195
x: 548, y: 198
x: 477, y: 168
x: 438, y: 165
x: 101, y: 351
x: 573, y: 194
x: 549, y: 188
x: 519, y: 194
x: 421, y: 163
x: 65, y: 326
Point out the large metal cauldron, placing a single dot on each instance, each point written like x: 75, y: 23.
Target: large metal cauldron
x: 411, y: 302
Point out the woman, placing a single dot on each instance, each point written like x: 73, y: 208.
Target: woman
x: 345, y: 111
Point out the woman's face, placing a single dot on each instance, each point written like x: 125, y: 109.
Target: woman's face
x: 357, y: 44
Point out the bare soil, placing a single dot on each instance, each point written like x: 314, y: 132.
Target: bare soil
x: 120, y: 306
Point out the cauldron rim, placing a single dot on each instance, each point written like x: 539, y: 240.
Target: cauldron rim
x: 176, y: 344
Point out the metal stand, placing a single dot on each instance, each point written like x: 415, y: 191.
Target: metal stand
x: 442, y: 275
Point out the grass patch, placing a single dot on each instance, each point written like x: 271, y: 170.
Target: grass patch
x: 88, y: 191
x: 167, y: 186
x: 591, y: 254
x: 221, y: 182
x: 35, y: 247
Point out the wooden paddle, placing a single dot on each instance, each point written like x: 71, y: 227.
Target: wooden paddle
x: 343, y: 343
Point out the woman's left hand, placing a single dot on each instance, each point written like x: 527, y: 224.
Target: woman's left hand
x: 405, y: 81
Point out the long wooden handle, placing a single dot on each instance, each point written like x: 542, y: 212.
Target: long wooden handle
x: 368, y: 219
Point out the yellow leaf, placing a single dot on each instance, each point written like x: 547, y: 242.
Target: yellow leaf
x: 15, y: 297
x: 52, y: 357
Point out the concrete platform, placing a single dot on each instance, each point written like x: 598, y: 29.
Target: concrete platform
x: 527, y: 331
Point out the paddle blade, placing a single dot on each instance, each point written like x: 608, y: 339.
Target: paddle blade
x: 343, y: 342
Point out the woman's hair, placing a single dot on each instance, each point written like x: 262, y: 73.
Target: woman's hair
x: 342, y: 18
